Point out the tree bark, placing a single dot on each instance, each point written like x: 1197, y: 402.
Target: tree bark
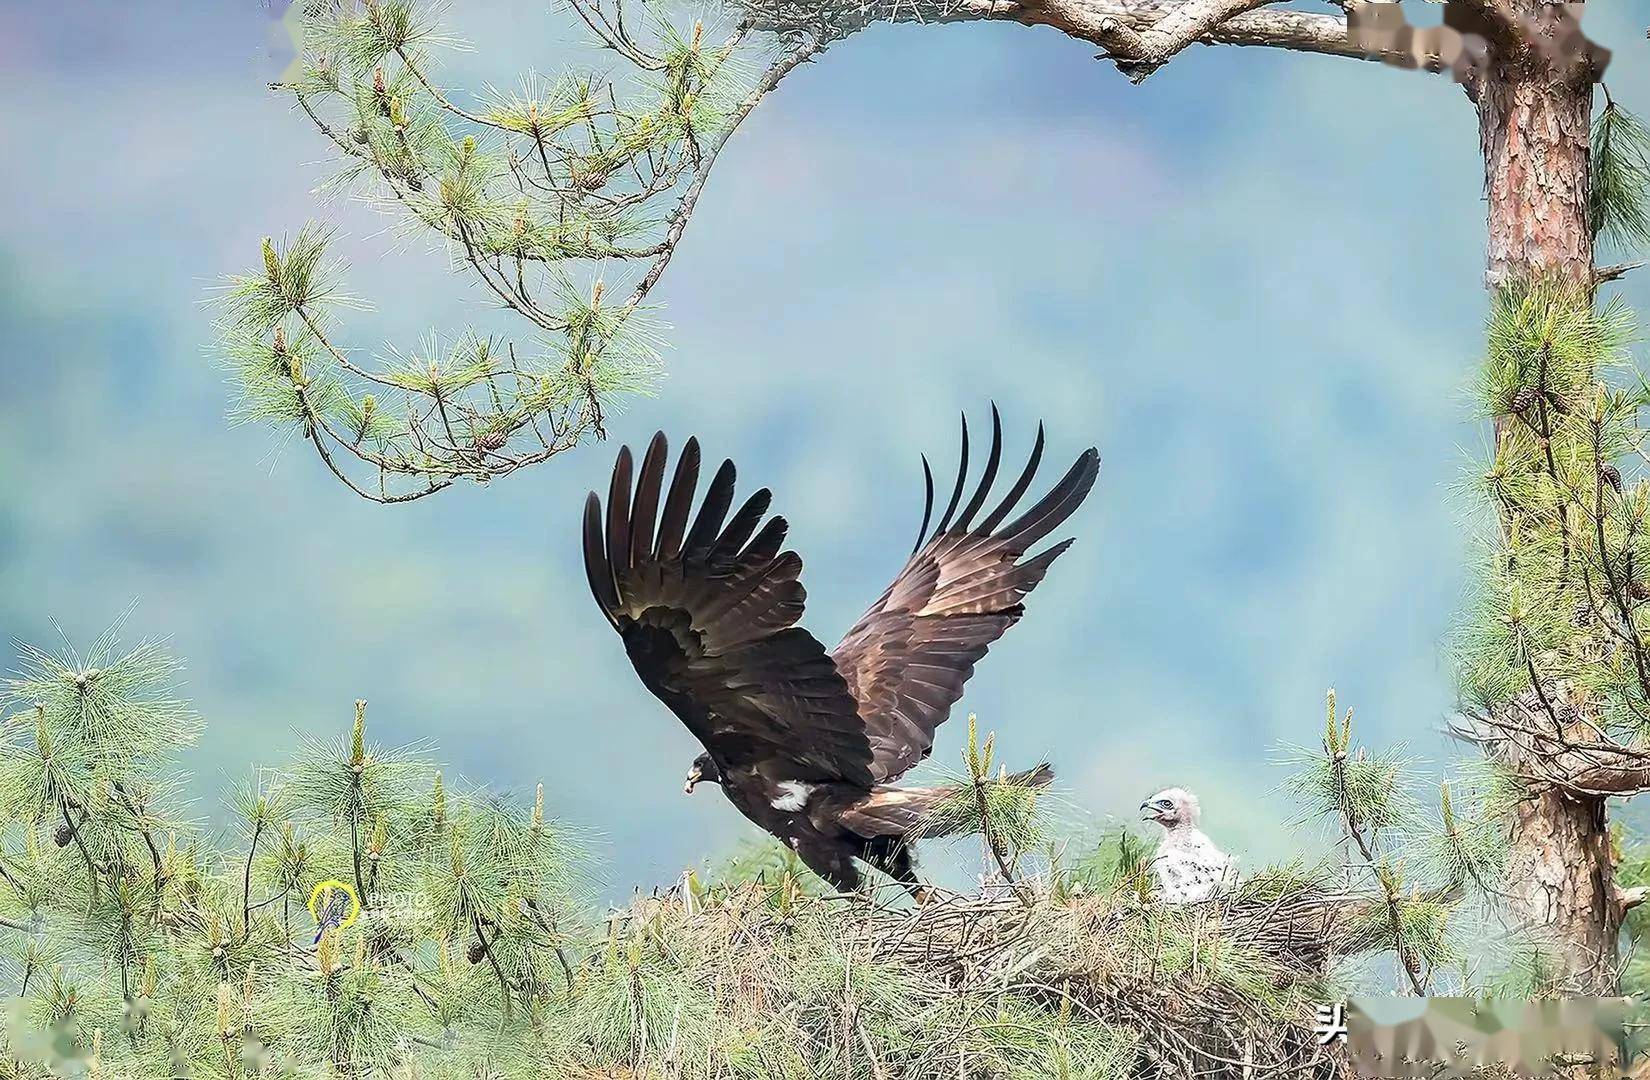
x: 1534, y: 124
x: 1560, y: 884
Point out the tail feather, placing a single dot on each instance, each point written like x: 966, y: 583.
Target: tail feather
x: 1040, y: 777
x: 915, y: 812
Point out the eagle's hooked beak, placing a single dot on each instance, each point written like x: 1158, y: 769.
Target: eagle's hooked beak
x: 694, y: 775
x: 1146, y: 811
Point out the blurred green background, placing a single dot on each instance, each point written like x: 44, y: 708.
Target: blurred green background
x: 1253, y: 282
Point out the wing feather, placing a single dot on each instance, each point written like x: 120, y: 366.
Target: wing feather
x: 712, y: 512
x: 738, y: 531
x: 907, y: 658
x: 1006, y: 507
x: 647, y: 499
x: 962, y: 476
x: 709, y: 623
x: 618, y: 515
x: 927, y: 504
x: 989, y: 477
x: 596, y: 569
x: 1057, y: 505
x: 766, y: 544
x: 679, y: 503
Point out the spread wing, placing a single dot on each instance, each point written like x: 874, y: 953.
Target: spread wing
x: 708, y: 618
x: 907, y: 658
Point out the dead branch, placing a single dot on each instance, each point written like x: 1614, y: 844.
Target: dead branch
x: 1615, y: 271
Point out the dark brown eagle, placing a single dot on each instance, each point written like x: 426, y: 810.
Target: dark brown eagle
x: 803, y: 741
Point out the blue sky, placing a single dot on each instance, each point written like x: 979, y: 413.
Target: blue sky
x: 1253, y: 283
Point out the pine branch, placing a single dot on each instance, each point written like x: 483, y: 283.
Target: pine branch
x: 531, y: 189
x: 1337, y: 744
x: 1619, y: 195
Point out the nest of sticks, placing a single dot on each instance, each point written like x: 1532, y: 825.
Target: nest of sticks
x: 1017, y: 981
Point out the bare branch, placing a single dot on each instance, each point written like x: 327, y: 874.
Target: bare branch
x: 1473, y: 34
x: 1628, y: 777
x: 1138, y: 54
x: 1563, y: 750
x: 1141, y: 35
x: 1615, y: 272
x: 1110, y: 24
x: 690, y: 198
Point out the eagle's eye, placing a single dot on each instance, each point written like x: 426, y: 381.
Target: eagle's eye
x: 1165, y: 804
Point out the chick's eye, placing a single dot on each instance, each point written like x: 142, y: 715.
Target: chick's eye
x: 1164, y: 803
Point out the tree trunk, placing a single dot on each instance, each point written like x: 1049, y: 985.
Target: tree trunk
x: 1560, y: 884
x: 1534, y: 129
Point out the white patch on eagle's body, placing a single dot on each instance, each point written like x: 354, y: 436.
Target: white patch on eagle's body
x: 1189, y: 868
x: 793, y: 795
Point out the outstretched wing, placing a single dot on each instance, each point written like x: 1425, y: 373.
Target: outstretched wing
x: 907, y: 658
x: 708, y: 618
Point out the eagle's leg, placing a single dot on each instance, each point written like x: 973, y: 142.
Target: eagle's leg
x: 831, y: 862
x: 892, y: 855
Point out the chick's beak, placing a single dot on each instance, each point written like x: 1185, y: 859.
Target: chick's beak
x: 693, y: 777
x: 1146, y: 811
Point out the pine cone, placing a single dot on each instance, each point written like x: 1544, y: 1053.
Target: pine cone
x: 62, y: 835
x: 491, y: 440
x: 1639, y: 590
x: 1612, y: 476
x: 476, y: 952
x: 1523, y: 399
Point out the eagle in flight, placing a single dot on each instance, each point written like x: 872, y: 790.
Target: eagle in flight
x: 806, y: 742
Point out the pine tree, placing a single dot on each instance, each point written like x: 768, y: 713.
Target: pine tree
x: 138, y: 944
x: 362, y: 916
x: 533, y: 190
x: 1554, y: 669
